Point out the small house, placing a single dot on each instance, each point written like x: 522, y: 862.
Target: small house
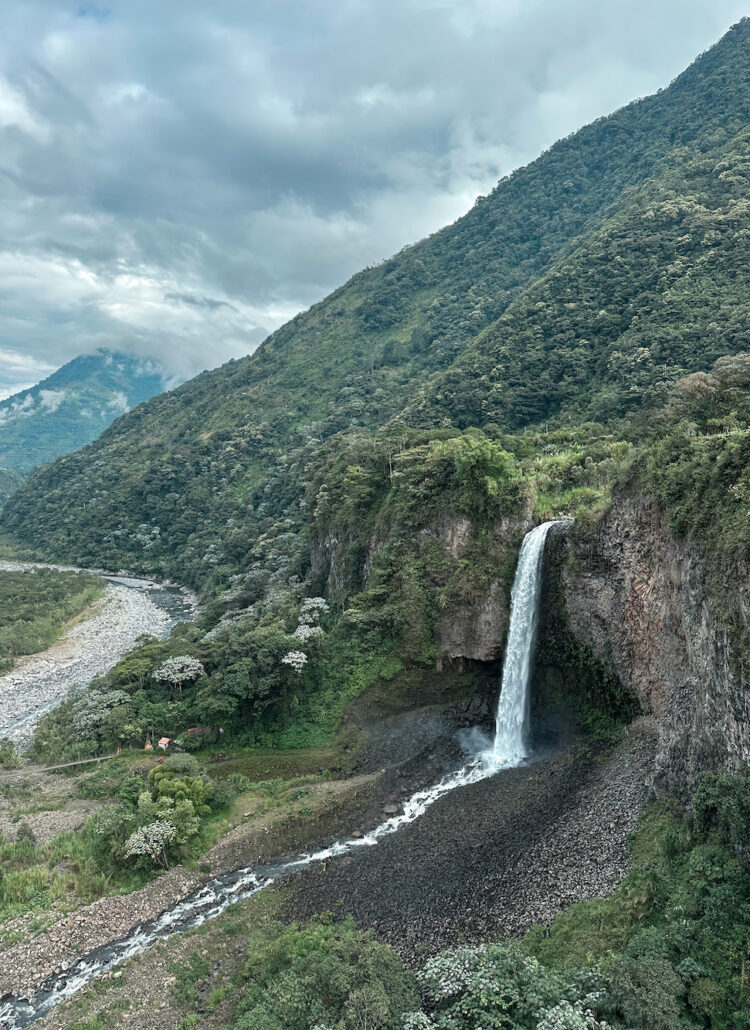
x: 164, y: 743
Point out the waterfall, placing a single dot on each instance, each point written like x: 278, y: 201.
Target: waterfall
x: 511, y: 719
x: 215, y: 896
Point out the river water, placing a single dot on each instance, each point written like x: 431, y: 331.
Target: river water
x: 131, y: 608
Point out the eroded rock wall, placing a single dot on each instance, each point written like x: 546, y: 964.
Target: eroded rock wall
x: 471, y: 620
x: 475, y: 627
x: 671, y: 622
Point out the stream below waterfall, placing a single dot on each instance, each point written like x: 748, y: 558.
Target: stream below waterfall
x: 509, y: 750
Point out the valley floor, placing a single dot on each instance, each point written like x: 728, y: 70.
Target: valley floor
x: 128, y: 610
x: 486, y: 861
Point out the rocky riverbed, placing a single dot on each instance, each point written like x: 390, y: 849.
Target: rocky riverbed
x: 491, y: 859
x: 129, y: 609
x: 485, y: 862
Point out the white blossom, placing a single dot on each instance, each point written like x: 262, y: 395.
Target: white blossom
x: 151, y: 840
x: 304, y: 632
x: 565, y: 1016
x: 179, y: 669
x: 297, y: 660
x: 92, y: 707
x: 313, y: 609
x: 417, y: 1021
x: 448, y: 974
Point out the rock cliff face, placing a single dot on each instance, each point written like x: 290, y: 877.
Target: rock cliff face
x: 674, y: 626
x: 474, y: 621
x: 475, y: 627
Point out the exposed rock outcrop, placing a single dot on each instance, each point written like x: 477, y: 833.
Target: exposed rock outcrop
x: 670, y: 622
x: 473, y: 623
x: 475, y: 627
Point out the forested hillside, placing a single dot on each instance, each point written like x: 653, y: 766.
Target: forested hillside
x: 579, y: 290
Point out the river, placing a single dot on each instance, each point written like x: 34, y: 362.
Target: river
x: 130, y: 608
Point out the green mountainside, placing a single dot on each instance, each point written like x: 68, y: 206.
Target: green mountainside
x: 583, y: 326
x: 71, y: 407
x: 10, y: 480
x: 579, y: 290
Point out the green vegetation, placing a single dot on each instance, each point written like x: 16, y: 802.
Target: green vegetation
x: 155, y: 814
x: 580, y: 330
x: 339, y: 496
x: 581, y: 288
x: 326, y: 974
x: 10, y: 480
x: 674, y: 939
x: 698, y: 468
x: 35, y: 606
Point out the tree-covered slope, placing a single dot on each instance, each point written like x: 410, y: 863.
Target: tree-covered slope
x: 71, y: 407
x: 580, y: 288
x: 657, y: 291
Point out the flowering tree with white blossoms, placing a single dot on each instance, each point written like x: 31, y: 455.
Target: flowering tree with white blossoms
x: 151, y: 841
x: 304, y: 632
x: 499, y: 985
x: 178, y: 670
x: 296, y: 660
x: 313, y: 609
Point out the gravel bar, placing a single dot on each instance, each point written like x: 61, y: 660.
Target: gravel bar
x: 129, y: 609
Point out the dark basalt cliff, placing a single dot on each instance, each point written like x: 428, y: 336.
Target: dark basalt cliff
x: 672, y: 625
x: 632, y: 617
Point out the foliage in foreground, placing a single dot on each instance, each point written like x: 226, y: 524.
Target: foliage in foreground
x: 326, y: 975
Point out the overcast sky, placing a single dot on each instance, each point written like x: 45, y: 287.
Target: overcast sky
x: 177, y: 179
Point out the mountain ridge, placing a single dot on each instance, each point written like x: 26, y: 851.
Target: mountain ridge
x: 70, y: 407
x: 193, y: 465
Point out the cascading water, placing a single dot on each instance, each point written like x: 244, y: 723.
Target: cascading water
x: 511, y: 720
x: 218, y: 894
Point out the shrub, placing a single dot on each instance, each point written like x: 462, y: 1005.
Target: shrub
x: 8, y: 756
x: 330, y: 975
x: 647, y: 993
x: 502, y: 987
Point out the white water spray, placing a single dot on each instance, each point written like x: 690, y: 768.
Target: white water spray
x: 509, y: 750
x: 512, y: 716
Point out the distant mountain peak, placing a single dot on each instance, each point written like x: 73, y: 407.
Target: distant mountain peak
x: 71, y: 407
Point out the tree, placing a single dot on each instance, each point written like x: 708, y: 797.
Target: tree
x: 151, y: 841
x: 178, y: 670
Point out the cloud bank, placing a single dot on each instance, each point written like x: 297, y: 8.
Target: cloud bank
x: 178, y: 179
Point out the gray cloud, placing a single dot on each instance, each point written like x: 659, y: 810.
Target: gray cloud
x: 177, y: 179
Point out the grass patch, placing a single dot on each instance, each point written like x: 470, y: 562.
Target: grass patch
x: 261, y: 765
